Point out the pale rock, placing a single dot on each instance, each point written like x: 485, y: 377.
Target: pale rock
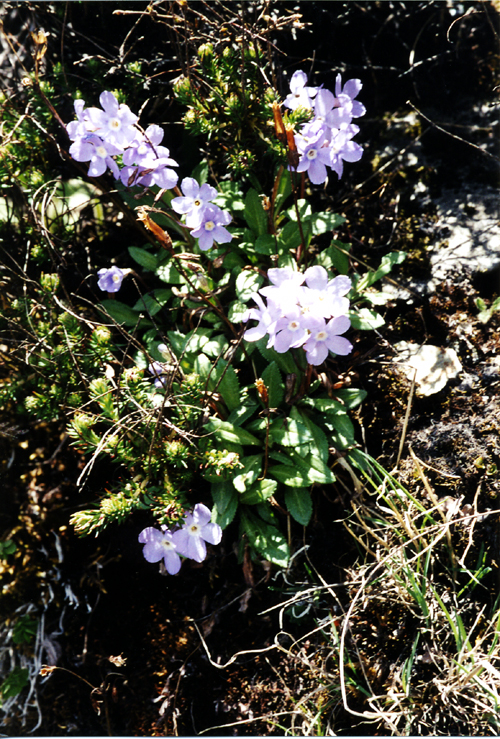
x: 434, y: 366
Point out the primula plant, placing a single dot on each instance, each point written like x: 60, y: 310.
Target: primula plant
x: 237, y: 340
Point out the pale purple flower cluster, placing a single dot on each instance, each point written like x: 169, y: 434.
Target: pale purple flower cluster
x: 206, y: 219
x: 326, y: 140
x: 311, y: 316
x: 187, y: 541
x: 99, y: 135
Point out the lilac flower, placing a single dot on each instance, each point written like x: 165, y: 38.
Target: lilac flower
x: 315, y: 155
x: 158, y: 172
x: 344, y: 96
x: 160, y: 545
x: 281, y: 275
x: 158, y: 370
x: 323, y: 297
x: 211, y: 228
x: 196, y: 199
x: 301, y: 95
x: 110, y: 280
x: 152, y: 161
x: 98, y: 152
x: 326, y: 140
x: 115, y: 123
x: 265, y: 315
x: 145, y: 145
x: 323, y: 107
x: 296, y: 314
x: 80, y: 127
x: 325, y: 337
x: 343, y: 149
x: 197, y: 529
x: 291, y: 331
x: 285, y: 289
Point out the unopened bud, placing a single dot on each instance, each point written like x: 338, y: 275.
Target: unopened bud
x: 279, y: 126
x: 292, y: 153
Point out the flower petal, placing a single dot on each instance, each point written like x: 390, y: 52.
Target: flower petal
x: 172, y: 562
x: 212, y: 533
x: 201, y: 514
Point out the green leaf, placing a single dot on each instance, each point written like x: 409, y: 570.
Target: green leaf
x: 259, y: 492
x: 280, y: 457
x: 200, y: 172
x: 230, y: 196
x: 288, y: 432
x: 320, y: 442
x: 386, y: 265
x: 334, y: 257
x: 299, y: 504
x: 300, y: 472
x: 284, y: 361
x: 342, y: 431
x: 318, y: 471
x: 215, y: 346
x: 228, y: 432
x: 153, y: 303
x: 121, y: 313
x: 225, y: 500
x: 169, y: 273
x: 265, y: 539
x: 304, y: 209
x: 237, y: 311
x: 14, y: 682
x: 252, y: 467
x: 144, y: 258
x: 274, y: 384
x: 266, y: 244
x: 289, y: 237
x: 255, y: 215
x: 325, y: 405
x: 247, y: 283
x: 24, y: 630
x: 241, y: 414
x: 365, y: 319
x: 203, y: 366
x: 7, y: 547
x: 376, y: 298
x: 326, y: 221
x: 359, y: 460
x: 291, y: 476
x: 196, y: 341
x: 258, y: 424
x: 266, y: 513
x: 351, y: 397
x: 229, y: 386
x: 177, y: 341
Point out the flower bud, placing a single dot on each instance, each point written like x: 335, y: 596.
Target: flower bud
x: 206, y: 52
x: 50, y: 282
